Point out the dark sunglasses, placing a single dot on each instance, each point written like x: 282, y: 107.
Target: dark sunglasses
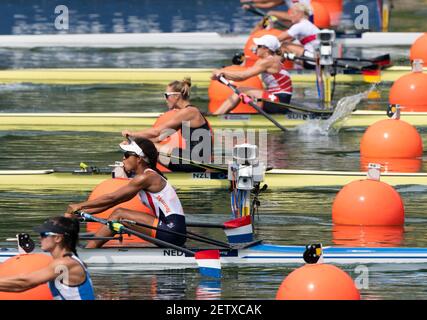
x: 47, y: 234
x: 128, y: 154
x: 260, y: 46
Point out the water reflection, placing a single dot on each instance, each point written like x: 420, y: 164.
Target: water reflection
x: 368, y: 236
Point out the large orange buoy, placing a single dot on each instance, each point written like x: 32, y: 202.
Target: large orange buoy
x: 367, y: 236
x: 318, y: 282
x: 391, y: 138
x: 392, y: 164
x: 368, y: 203
x: 109, y: 186
x: 24, y: 264
x: 410, y: 91
x: 419, y: 49
x: 250, y: 56
x: 321, y: 15
x: 335, y: 8
x: 218, y: 92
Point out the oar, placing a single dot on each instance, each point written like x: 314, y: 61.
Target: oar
x: 188, y: 235
x: 339, y: 65
x: 207, y: 260
x: 383, y: 60
x: 249, y: 101
x: 263, y: 14
x: 195, y: 163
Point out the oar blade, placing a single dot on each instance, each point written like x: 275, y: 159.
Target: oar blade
x: 383, y: 61
x: 209, y: 263
x: 239, y: 230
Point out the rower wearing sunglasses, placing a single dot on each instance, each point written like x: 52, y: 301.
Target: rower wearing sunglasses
x: 304, y: 31
x: 195, y: 130
x: 66, y: 276
x: 155, y: 192
x: 277, y: 80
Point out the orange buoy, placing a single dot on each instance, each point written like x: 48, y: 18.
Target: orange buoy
x: 367, y: 236
x: 318, y: 282
x: 321, y: 15
x: 419, y: 48
x: 218, y: 92
x: 24, y: 264
x: 391, y: 138
x: 250, y: 56
x: 410, y: 91
x: 109, y: 186
x: 368, y: 203
x: 392, y: 164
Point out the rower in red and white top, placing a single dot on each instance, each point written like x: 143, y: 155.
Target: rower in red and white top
x: 276, y: 78
x: 302, y: 30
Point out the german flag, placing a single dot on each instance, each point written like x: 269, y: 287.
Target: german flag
x: 372, y: 76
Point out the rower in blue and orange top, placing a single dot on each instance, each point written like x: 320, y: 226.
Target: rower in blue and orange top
x: 185, y: 118
x: 154, y: 191
x: 276, y: 78
x: 59, y: 237
x: 302, y: 30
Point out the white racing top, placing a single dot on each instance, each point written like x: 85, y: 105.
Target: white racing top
x: 163, y: 203
x: 305, y: 32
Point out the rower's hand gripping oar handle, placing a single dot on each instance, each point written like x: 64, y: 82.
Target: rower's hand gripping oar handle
x: 204, y: 258
x: 263, y: 14
x: 249, y: 101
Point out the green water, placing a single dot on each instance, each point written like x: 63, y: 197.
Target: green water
x: 294, y: 217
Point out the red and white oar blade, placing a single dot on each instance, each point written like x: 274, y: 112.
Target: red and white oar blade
x: 239, y: 230
x: 209, y: 263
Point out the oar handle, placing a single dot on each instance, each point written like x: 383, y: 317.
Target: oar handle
x: 188, y: 235
x: 251, y: 103
x: 261, y: 13
x: 118, y: 227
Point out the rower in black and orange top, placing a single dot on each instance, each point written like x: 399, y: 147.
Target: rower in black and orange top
x: 140, y: 158
x: 277, y: 80
x: 195, y: 130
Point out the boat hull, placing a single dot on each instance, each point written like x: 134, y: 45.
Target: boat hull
x: 258, y: 255
x: 275, y: 179
x: 115, y: 122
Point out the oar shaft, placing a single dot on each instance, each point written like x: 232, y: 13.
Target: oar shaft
x: 205, y: 225
x: 252, y: 104
x: 195, y: 163
x: 342, y: 65
x: 261, y: 13
x: 157, y: 242
x: 200, y: 238
x: 145, y: 237
x: 189, y: 235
